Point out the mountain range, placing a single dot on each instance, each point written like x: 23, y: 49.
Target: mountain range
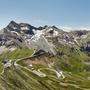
x: 44, y: 58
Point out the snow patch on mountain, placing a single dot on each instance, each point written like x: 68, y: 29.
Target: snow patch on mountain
x: 39, y: 42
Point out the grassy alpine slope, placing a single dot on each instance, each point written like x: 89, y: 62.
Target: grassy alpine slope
x: 16, y: 54
x: 41, y: 76
x: 26, y: 78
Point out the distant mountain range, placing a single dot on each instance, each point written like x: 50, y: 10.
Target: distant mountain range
x: 20, y: 34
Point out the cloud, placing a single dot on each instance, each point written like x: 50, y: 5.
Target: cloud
x: 68, y: 28
x: 65, y: 28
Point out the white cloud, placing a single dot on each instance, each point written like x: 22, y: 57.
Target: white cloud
x: 68, y: 28
x: 65, y: 28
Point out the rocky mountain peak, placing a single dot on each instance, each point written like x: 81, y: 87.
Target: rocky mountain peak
x: 20, y: 27
x: 13, y: 25
x: 13, y: 22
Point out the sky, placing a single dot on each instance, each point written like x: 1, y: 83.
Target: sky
x: 62, y: 13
